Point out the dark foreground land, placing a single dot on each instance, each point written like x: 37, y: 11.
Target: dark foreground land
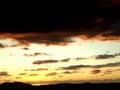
x: 62, y: 86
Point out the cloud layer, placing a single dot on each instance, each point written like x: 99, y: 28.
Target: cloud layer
x: 76, y: 67
x: 86, y: 20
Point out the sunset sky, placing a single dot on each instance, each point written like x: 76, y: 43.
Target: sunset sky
x: 73, y: 59
x: 66, y: 48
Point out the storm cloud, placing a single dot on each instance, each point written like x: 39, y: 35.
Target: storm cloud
x: 64, y: 36
x: 93, y: 22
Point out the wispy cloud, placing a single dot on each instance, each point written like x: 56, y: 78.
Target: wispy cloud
x: 50, y: 61
x: 18, y: 77
x: 22, y: 73
x: 99, y: 57
x: 65, y: 60
x: 107, y: 56
x: 25, y: 48
x: 77, y: 67
x: 3, y: 73
x: 109, y: 71
x: 51, y: 74
x: 45, y: 61
x: 69, y: 72
x: 1, y: 45
x: 39, y: 69
x: 37, y: 54
x: 95, y: 71
x: 107, y: 65
x: 33, y: 74
x: 74, y: 67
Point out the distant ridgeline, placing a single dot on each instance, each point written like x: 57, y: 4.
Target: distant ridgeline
x: 110, y: 86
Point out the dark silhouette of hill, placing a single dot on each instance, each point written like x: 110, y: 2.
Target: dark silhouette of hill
x: 109, y: 86
x: 14, y: 85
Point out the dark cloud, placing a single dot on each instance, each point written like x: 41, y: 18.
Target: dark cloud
x: 69, y: 72
x: 25, y: 48
x: 22, y: 73
x: 45, y: 61
x: 95, y: 71
x: 107, y: 3
x: 77, y: 67
x: 4, y: 73
x: 39, y: 69
x: 1, y: 45
x: 101, y: 56
x: 74, y: 67
x: 80, y: 58
x: 53, y: 61
x: 86, y: 18
x: 37, y: 54
x: 65, y: 60
x: 57, y: 38
x: 105, y: 56
x: 33, y: 74
x: 63, y: 37
x: 107, y: 65
x: 28, y: 55
x: 51, y: 74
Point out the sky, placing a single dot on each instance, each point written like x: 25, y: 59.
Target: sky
x: 73, y: 47
x: 73, y: 60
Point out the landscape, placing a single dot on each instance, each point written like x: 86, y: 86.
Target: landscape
x: 61, y: 46
x: 19, y: 85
